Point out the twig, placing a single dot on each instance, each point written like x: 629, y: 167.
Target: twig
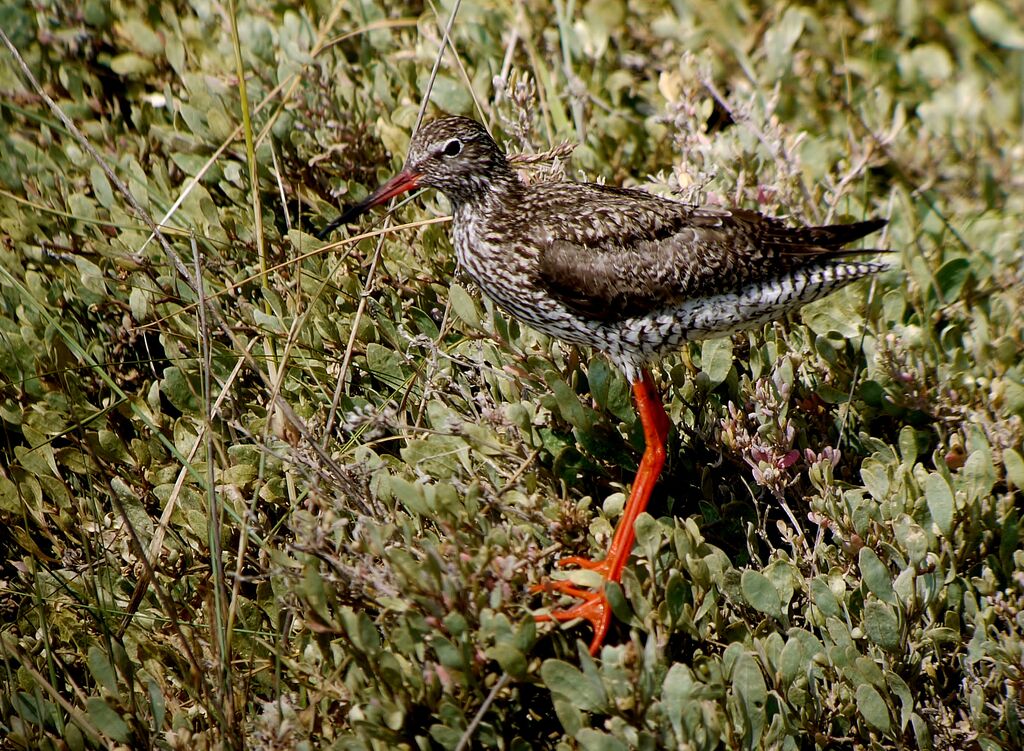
x: 437, y: 63
x: 479, y: 716
x: 477, y: 104
x: 561, y: 151
x: 346, y: 361
x: 371, y: 273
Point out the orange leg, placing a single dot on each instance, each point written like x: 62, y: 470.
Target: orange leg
x: 595, y: 607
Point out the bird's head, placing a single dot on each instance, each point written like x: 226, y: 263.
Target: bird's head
x: 456, y: 155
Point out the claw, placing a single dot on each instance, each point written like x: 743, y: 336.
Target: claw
x: 600, y: 566
x: 594, y: 608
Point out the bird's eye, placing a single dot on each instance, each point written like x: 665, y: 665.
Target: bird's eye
x: 453, y: 147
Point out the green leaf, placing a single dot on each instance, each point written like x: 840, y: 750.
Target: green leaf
x: 410, y: 495
x: 839, y: 313
x: 140, y: 36
x: 872, y: 392
x: 872, y: 707
x: 951, y: 277
x: 424, y: 323
x: 617, y: 601
x: 995, y: 24
x: 1014, y: 464
x: 595, y: 740
x: 928, y: 62
x: 361, y: 631
x: 464, y: 305
x: 605, y: 15
x: 677, y: 694
x: 786, y: 578
x: 648, y: 535
x: 158, y: 703
x: 102, y: 669
x: 449, y: 94
x: 716, y: 359
x: 130, y: 65
x: 979, y: 474
x: 445, y: 736
x: 512, y: 660
x: 922, y: 730
x: 74, y: 738
x: 562, y: 678
x: 181, y: 390
x: 823, y: 596
x: 752, y: 693
x: 385, y: 364
x: 101, y: 186
x: 138, y: 300
x: 908, y: 445
x: 912, y: 538
x: 571, y: 718
x: 760, y: 593
x: 448, y: 654
x: 609, y: 389
x: 1008, y: 545
x: 876, y: 478
x: 106, y: 720
x: 32, y: 708
x: 568, y: 402
x: 939, y: 497
x: 112, y: 445
x: 239, y: 474
x: 780, y: 38
x: 798, y: 654
x: 902, y: 691
x: 601, y: 18
x: 876, y: 576
x: 1014, y: 397
x: 882, y: 625
x: 10, y: 502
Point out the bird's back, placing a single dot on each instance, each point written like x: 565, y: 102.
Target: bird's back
x: 615, y: 253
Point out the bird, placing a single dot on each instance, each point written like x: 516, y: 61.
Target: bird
x: 629, y: 273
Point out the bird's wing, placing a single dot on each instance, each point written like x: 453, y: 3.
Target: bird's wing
x: 626, y: 253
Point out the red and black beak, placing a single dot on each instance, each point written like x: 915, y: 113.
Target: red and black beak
x: 404, y: 181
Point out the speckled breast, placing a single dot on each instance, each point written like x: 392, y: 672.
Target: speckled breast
x: 506, y: 272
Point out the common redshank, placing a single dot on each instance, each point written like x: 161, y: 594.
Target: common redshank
x: 629, y: 273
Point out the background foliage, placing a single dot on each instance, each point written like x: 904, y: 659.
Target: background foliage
x: 300, y: 504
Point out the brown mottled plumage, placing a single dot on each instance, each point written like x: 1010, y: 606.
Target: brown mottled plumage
x: 625, y: 271
x: 628, y: 272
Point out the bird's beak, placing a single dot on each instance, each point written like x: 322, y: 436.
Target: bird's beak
x: 405, y: 180
x: 400, y: 183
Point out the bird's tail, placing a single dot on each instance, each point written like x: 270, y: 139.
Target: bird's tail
x: 835, y: 236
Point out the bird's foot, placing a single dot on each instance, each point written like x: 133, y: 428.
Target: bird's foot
x: 602, y: 567
x: 594, y: 608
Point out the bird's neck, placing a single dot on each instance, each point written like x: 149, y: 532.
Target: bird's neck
x: 499, y: 186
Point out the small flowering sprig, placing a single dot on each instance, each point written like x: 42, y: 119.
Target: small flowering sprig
x: 770, y: 469
x: 827, y: 511
x: 370, y: 420
x: 763, y: 434
x: 820, y: 465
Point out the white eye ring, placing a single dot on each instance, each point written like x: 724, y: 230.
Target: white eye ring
x: 453, y: 147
